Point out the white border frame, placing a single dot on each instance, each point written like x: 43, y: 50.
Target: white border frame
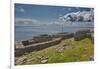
x: 73, y: 3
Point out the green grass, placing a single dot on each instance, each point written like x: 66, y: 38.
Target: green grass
x: 75, y: 51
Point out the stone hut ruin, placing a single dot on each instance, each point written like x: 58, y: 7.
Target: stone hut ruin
x: 44, y: 41
x: 79, y: 35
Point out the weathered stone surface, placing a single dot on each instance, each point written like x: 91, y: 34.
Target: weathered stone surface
x: 39, y: 57
x: 42, y: 38
x: 79, y: 35
x: 32, y: 59
x: 91, y: 58
x: 44, y: 61
x: 63, y: 35
x: 25, y: 42
x: 42, y: 57
x: 58, y: 50
x: 31, y: 41
x: 37, y: 46
x: 21, y: 60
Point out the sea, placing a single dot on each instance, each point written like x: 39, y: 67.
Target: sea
x: 24, y: 32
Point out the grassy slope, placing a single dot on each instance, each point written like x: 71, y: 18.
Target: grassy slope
x: 75, y: 51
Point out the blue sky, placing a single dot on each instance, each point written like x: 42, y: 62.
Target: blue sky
x: 44, y: 13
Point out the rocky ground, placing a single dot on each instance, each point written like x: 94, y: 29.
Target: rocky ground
x: 68, y: 50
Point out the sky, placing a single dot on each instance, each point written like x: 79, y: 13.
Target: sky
x: 48, y: 14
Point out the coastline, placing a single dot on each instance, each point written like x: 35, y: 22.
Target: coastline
x: 48, y: 40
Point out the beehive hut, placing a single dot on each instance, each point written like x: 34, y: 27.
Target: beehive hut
x: 79, y: 35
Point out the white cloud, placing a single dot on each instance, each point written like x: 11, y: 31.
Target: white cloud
x: 21, y: 10
x: 83, y: 16
x: 25, y: 21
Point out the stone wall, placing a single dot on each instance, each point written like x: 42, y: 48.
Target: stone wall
x: 38, y: 46
x: 37, y: 39
x: 63, y: 35
x: 43, y: 38
x: 45, y: 41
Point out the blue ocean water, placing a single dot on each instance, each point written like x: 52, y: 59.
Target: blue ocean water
x: 23, y: 32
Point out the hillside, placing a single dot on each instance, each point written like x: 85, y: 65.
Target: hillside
x: 68, y: 50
